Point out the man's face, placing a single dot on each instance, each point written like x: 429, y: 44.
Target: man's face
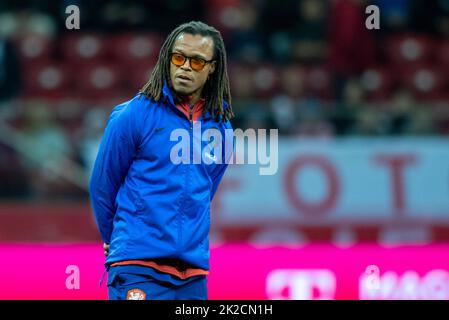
x: 184, y: 79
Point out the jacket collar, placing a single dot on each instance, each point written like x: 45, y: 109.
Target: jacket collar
x: 168, y: 96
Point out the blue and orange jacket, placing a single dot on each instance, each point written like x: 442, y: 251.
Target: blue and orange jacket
x: 146, y: 207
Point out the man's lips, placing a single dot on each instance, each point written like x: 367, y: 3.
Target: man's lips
x: 184, y: 77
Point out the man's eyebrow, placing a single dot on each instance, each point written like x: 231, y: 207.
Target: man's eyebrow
x: 194, y: 56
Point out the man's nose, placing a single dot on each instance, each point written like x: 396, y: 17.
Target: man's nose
x: 186, y: 65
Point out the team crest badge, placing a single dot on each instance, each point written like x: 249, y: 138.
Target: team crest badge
x: 135, y: 294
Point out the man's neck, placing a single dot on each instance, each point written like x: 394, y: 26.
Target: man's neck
x: 191, y: 99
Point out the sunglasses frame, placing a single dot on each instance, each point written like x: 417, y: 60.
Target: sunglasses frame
x: 190, y: 61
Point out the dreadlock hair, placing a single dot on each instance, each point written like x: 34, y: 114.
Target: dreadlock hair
x: 216, y: 90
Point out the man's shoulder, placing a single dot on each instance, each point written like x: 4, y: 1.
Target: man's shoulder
x: 135, y: 106
x: 137, y: 101
x: 227, y: 124
x: 224, y: 125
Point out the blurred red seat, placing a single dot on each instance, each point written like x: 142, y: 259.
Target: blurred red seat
x: 46, y: 80
x: 81, y: 48
x: 443, y: 55
x: 129, y: 48
x: 99, y: 81
x: 409, y: 49
x: 266, y: 81
x: 377, y: 82
x: 223, y: 14
x: 292, y: 81
x: 427, y: 82
x: 241, y: 81
x: 318, y: 82
x: 34, y: 49
x: 137, y: 75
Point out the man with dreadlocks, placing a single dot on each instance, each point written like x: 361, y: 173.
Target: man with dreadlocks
x: 154, y: 215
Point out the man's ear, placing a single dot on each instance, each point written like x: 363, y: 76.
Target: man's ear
x: 212, y: 67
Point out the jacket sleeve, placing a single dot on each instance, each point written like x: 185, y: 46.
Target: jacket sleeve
x: 228, y: 143
x: 115, y: 155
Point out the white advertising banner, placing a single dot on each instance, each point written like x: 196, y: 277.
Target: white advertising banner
x: 346, y: 180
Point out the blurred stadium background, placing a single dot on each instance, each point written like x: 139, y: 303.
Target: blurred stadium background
x: 363, y: 118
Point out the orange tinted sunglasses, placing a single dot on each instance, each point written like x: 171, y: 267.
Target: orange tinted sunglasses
x: 197, y: 64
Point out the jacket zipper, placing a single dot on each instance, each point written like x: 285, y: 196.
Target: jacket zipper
x: 191, y: 117
x: 191, y: 148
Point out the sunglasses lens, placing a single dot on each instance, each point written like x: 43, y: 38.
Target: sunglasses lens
x: 197, y: 64
x: 178, y: 59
